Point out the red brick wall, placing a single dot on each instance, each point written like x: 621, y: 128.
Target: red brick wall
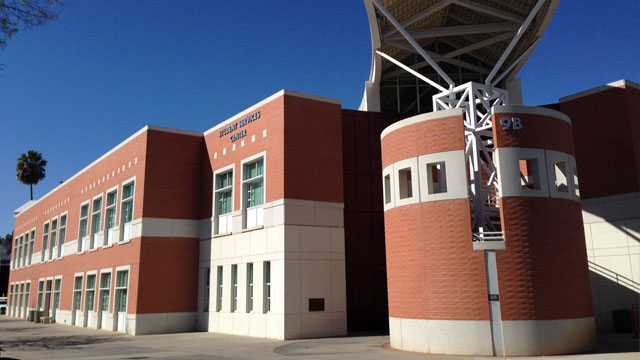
x: 607, y: 141
x: 433, y: 271
x: 426, y: 137
x: 367, y: 305
x: 539, y: 132
x: 542, y: 273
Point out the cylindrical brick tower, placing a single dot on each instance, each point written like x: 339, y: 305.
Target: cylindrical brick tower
x: 439, y: 300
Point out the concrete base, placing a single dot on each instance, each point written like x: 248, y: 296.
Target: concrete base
x: 162, y: 323
x: 549, y: 337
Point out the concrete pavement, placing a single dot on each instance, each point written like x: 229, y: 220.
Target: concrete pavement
x: 24, y: 340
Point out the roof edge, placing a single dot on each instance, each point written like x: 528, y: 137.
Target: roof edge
x: 615, y: 84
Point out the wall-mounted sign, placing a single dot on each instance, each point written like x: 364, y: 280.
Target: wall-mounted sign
x: 511, y: 123
x: 238, y: 124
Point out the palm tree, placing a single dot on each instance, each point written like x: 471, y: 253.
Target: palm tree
x: 30, y: 168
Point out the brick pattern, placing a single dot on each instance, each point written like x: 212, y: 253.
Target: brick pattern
x: 433, y: 271
x: 606, y: 141
x: 427, y: 137
x: 543, y: 273
x: 539, y: 132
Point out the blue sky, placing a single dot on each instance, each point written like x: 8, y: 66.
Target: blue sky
x: 74, y: 88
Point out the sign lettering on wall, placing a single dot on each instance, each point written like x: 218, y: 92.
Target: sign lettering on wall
x: 514, y: 123
x: 239, y: 124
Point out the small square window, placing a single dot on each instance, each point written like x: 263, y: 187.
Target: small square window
x: 560, y: 170
x: 387, y: 189
x: 404, y: 181
x: 436, y: 178
x: 529, y: 174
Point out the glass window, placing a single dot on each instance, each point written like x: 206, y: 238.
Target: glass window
x: 234, y: 288
x: 96, y: 212
x: 45, y: 241
x: 31, y: 243
x: 122, y: 283
x: 436, y: 178
x: 219, y: 290
x: 224, y: 202
x: 105, y: 289
x: 253, y: 193
x: 127, y: 203
x: 82, y: 228
x: 207, y: 281
x: 267, y: 286
x: 77, y: 293
x: 249, y: 287
x: 18, y: 258
x: 56, y: 293
x: 40, y: 293
x: 89, y: 292
x: 62, y: 235
x: 110, y: 216
x: 52, y: 239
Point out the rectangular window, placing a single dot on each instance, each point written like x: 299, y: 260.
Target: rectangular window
x: 122, y: 285
x: 25, y: 249
x: 89, y: 292
x: 387, y: 189
x: 31, y: 243
x: 77, y: 293
x: 26, y: 296
x: 126, y: 211
x: 56, y: 293
x: 249, y: 287
x: 207, y: 288
x: 96, y: 212
x: 267, y: 286
x: 560, y: 170
x: 62, y: 235
x: 436, y: 178
x: 45, y: 242
x: 83, y: 227
x: 529, y: 174
x: 576, y: 185
x: 253, y: 193
x: 18, y: 258
x: 110, y: 217
x: 404, y: 182
x: 52, y: 238
x: 105, y: 290
x: 223, y: 199
x: 40, y: 293
x: 219, y: 290
x: 234, y: 288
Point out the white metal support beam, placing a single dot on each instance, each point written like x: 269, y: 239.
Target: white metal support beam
x: 525, y: 54
x: 489, y: 11
x: 411, y: 71
x: 478, y: 45
x: 515, y: 40
x: 413, y: 43
x: 457, y: 30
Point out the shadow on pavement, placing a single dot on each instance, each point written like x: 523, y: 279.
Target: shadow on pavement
x: 53, y: 342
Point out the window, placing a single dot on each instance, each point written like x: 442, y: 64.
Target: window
x: 62, y: 234
x: 83, y: 227
x: 576, y: 185
x: 249, y: 287
x: 31, y: 243
x: 560, y: 170
x: 110, y: 217
x: 122, y: 284
x: 219, y: 290
x: 14, y: 253
x: 96, y: 212
x: 267, y: 286
x: 21, y: 293
x: 436, y: 178
x: 223, y: 201
x: 45, y: 242
x: 253, y: 193
x: 26, y: 295
x: 387, y: 189
x: 18, y: 259
x: 40, y: 293
x: 529, y: 175
x: 126, y: 211
x: 77, y: 293
x: 105, y: 290
x: 89, y: 292
x: 24, y: 239
x: 52, y: 238
x: 207, y: 288
x: 404, y: 181
x: 234, y: 288
x: 56, y: 293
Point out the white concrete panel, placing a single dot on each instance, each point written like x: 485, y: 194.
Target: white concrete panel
x: 315, y: 325
x: 292, y: 238
x: 275, y: 239
x: 415, y: 335
x: 548, y: 337
x: 299, y: 214
x: 458, y: 337
x: 216, y: 248
x: 337, y: 240
x: 339, y: 323
x: 258, y: 239
x: 315, y: 239
x: 205, y: 251
x: 555, y: 176
x: 315, y: 283
x: 277, y: 287
x: 277, y: 214
x: 227, y: 247
x: 241, y: 243
x: 241, y: 323
x: 258, y: 325
x: 329, y: 216
x: 619, y: 264
x: 225, y: 324
x: 275, y: 326
x: 292, y: 304
x: 606, y: 235
x: 508, y: 165
x: 338, y: 286
x: 206, y: 228
x: 395, y: 332
x: 291, y: 326
x: 455, y: 175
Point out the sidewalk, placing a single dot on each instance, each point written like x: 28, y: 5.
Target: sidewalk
x: 24, y: 340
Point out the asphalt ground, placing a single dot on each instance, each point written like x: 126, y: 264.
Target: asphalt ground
x: 20, y: 339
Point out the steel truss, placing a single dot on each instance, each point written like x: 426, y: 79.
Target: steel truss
x: 476, y: 100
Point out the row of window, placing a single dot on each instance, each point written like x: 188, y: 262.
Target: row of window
x: 530, y: 176
x: 252, y: 186
x: 54, y: 231
x: 49, y: 294
x: 233, y: 289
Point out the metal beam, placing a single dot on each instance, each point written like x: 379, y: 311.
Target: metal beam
x: 489, y: 11
x: 421, y: 15
x: 413, y: 43
x: 524, y: 54
x: 457, y: 30
x: 478, y: 45
x: 411, y: 71
x: 515, y: 40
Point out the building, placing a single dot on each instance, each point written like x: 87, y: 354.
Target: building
x: 453, y: 218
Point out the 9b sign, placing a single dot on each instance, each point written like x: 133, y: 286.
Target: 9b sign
x: 511, y: 123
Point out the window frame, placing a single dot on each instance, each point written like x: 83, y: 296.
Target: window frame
x: 94, y: 274
x: 62, y: 233
x: 250, y: 286
x: 53, y: 237
x: 262, y: 156
x: 32, y: 244
x: 234, y: 287
x: 222, y: 171
x: 266, y: 275
x: 114, y: 207
x: 132, y: 198
x: 77, y: 290
x: 81, y: 247
x: 45, y: 240
x: 219, y: 287
x: 93, y: 232
x: 107, y: 289
x: 118, y: 270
